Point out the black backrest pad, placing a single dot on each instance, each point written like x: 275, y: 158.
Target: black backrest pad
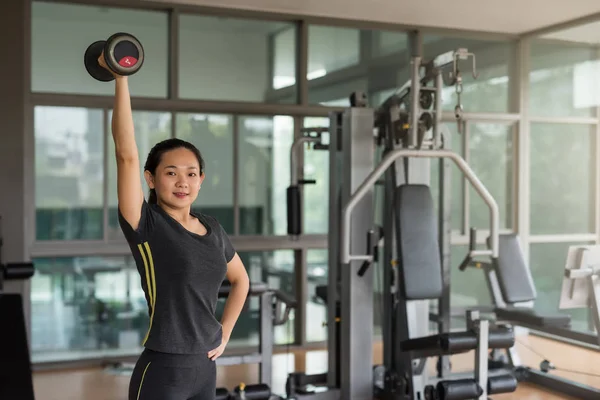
x: 513, y: 274
x: 418, y: 248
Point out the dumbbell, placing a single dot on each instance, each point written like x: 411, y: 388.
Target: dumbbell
x: 123, y: 54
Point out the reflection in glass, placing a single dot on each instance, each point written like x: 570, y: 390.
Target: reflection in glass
x: 86, y: 306
x: 264, y: 173
x: 57, y: 53
x: 491, y: 158
x: 231, y: 59
x: 561, y: 178
x: 69, y: 173
x: 213, y: 135
x: 276, y: 269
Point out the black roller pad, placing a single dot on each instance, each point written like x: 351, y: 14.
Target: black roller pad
x: 90, y: 60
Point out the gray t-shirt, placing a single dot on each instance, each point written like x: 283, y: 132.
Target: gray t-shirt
x: 181, y: 273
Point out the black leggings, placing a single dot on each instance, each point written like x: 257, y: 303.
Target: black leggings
x: 161, y: 376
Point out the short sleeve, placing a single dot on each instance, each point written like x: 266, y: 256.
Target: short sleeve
x: 228, y: 249
x: 145, y: 225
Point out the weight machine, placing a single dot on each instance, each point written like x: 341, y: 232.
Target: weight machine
x: 513, y: 291
x: 415, y: 259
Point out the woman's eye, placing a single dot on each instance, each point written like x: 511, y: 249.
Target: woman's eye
x: 193, y: 174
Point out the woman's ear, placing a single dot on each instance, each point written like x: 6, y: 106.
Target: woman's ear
x: 149, y: 179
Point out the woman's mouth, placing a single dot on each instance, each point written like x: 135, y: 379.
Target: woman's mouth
x: 180, y: 195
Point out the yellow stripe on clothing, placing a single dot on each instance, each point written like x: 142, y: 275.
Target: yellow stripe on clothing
x: 142, y: 380
x: 150, y: 282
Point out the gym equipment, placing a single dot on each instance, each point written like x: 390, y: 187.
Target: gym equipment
x: 123, y: 54
x: 406, y: 127
x: 15, y: 363
x: 512, y: 290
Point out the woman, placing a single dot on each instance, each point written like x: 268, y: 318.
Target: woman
x: 182, y: 258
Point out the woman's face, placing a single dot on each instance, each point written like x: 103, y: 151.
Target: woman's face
x: 177, y: 178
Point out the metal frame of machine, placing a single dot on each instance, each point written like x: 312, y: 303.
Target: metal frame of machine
x: 401, y: 125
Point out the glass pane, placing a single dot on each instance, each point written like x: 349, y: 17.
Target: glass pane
x: 276, y: 269
x: 69, y: 173
x: 150, y: 128
x: 490, y: 91
x: 456, y: 179
x: 468, y: 287
x: 491, y: 158
x: 211, y: 48
x: 561, y: 181
x: 213, y: 136
x: 563, y: 79
x: 85, y: 307
x: 316, y: 309
x: 316, y: 196
x: 284, y: 65
x: 388, y: 42
x: 60, y: 33
x: 547, y: 263
x: 330, y: 49
x: 264, y: 173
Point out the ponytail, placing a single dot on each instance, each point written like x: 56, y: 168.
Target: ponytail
x: 152, y: 197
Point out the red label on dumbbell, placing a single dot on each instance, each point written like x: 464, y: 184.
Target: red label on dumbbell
x: 128, y: 61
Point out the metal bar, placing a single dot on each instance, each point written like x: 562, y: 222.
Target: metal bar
x: 466, y: 204
x: 173, y: 88
x: 105, y: 160
x: 294, y: 157
x: 415, y: 111
x: 302, y: 63
x: 301, y: 295
x: 564, y: 120
x: 448, y: 116
x: 577, y: 237
x: 522, y: 224
x: 99, y: 248
x: 389, y: 159
x: 181, y: 105
x: 557, y: 384
x: 236, y: 174
x: 266, y: 338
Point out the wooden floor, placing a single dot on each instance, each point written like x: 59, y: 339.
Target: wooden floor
x: 94, y: 384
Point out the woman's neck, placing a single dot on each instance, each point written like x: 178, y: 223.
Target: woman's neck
x: 181, y: 215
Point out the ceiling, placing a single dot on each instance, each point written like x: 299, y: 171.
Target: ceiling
x: 499, y: 16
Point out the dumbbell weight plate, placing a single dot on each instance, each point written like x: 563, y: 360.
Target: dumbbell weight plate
x: 90, y: 60
x: 124, y: 54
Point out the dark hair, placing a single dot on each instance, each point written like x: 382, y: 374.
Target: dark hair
x: 155, y: 156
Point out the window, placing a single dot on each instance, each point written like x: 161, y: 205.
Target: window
x: 150, y: 128
x: 230, y: 59
x: 547, y: 263
x: 491, y: 158
x: 277, y: 270
x: 316, y: 310
x: 490, y: 91
x: 561, y: 179
x: 316, y: 196
x: 284, y: 59
x: 86, y: 307
x: 60, y: 33
x: 563, y: 79
x: 457, y: 179
x: 264, y: 173
x: 468, y: 287
x: 213, y: 136
x: 69, y: 173
x: 330, y: 50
